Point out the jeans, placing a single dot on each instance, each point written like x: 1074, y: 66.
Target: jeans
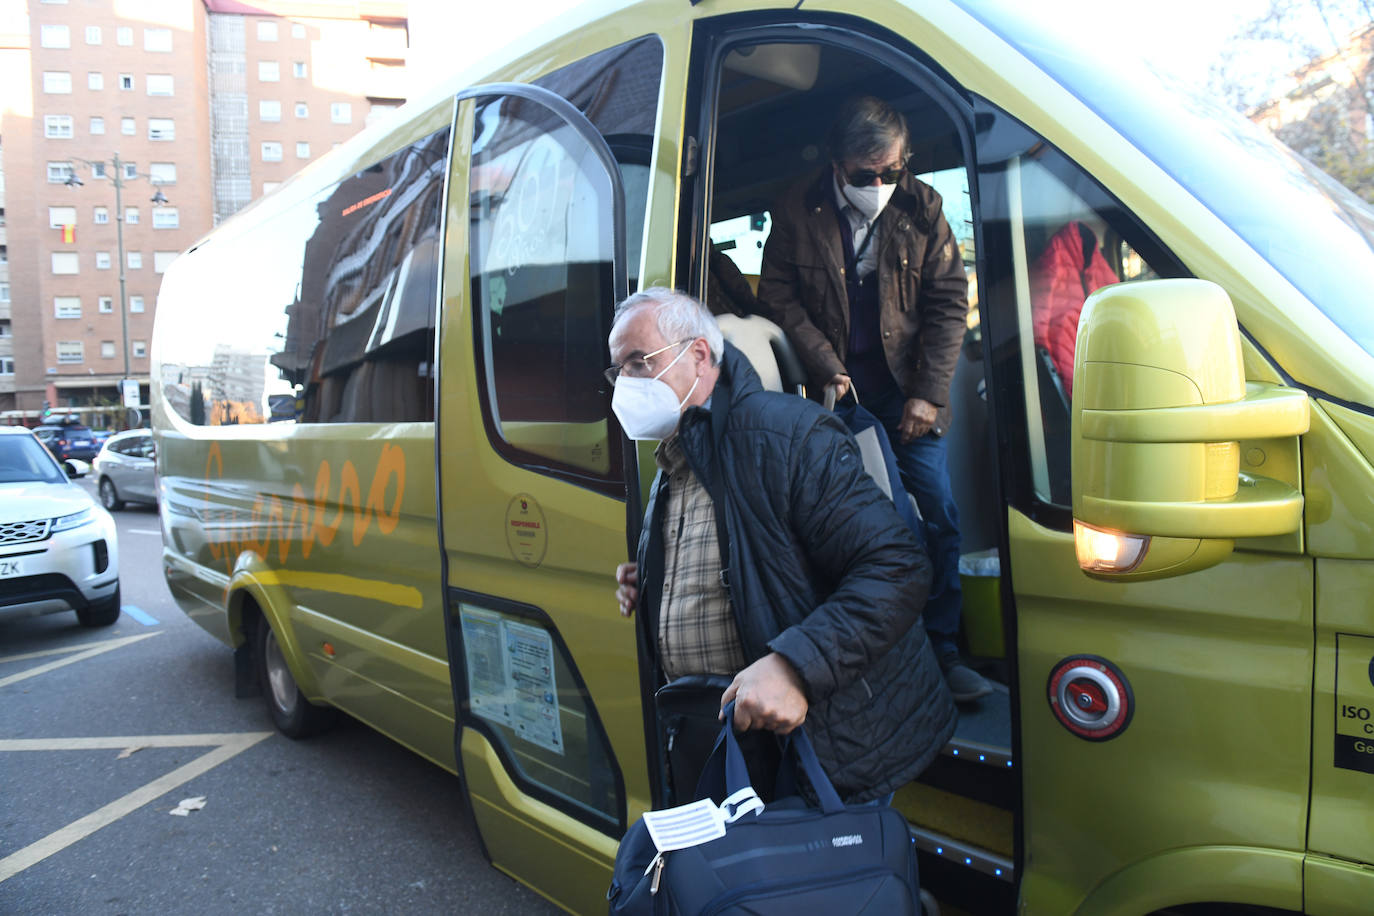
x: 924, y: 467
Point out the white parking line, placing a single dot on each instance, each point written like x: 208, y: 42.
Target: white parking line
x: 145, y: 531
x: 83, y: 652
x: 228, y: 745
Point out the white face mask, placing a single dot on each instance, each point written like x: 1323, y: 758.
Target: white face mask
x: 648, y: 408
x: 869, y: 201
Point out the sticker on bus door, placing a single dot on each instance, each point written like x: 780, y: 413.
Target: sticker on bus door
x: 1355, y: 702
x: 511, y: 682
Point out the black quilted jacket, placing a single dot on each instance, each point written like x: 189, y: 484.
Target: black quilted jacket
x: 820, y: 569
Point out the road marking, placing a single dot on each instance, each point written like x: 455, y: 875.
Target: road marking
x: 227, y: 746
x: 142, y: 616
x: 83, y: 652
x: 156, y: 531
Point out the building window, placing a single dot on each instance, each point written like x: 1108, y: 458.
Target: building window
x: 97, y: 126
x: 131, y: 217
x: 269, y: 71
x: 102, y: 216
x: 127, y: 127
x: 6, y: 366
x: 269, y: 110
x: 130, y: 170
x: 102, y: 260
x: 126, y: 81
x: 267, y: 30
x: 92, y: 34
x: 65, y: 263
x: 135, y: 304
x: 157, y: 40
x: 124, y: 35
x: 135, y: 259
x: 341, y: 112
x: 165, y: 218
x: 298, y: 69
x: 302, y: 150
x: 5, y: 297
x: 107, y: 349
x: 95, y: 80
x: 163, y: 260
x: 57, y: 82
x: 140, y: 349
x: 158, y: 84
x: 105, y: 304
x: 98, y: 171
x: 271, y: 152
x: 162, y: 129
x: 59, y: 172
x: 54, y: 36
x: 4, y: 254
x: 269, y: 186
x: 302, y: 110
x: 57, y: 127
x: 61, y: 216
x: 66, y: 306
x: 70, y: 351
x: 5, y: 330
x: 297, y: 30
x: 162, y: 172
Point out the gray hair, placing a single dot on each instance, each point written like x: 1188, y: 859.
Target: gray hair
x: 679, y: 315
x: 865, y: 127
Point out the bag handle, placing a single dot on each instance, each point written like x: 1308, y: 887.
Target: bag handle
x: 726, y: 764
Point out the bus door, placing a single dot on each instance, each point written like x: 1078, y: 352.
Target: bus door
x: 549, y: 731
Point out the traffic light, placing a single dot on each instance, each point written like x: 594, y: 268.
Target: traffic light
x: 47, y: 409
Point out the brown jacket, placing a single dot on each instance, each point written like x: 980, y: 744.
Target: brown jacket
x: 921, y: 286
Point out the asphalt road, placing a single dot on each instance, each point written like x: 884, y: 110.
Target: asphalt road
x: 347, y: 822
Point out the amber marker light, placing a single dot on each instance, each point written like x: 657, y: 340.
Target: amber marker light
x: 329, y: 649
x: 1108, y: 551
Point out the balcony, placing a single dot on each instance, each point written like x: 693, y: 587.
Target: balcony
x: 385, y: 82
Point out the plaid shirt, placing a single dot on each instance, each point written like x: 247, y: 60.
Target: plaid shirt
x: 696, y: 630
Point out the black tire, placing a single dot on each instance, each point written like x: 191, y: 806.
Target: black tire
x: 109, y: 496
x: 100, y: 613
x: 293, y: 714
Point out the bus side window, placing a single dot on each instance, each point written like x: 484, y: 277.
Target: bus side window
x: 1068, y: 238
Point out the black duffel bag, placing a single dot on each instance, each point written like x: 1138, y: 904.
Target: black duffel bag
x: 788, y: 859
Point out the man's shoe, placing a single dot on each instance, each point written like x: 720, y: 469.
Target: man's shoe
x: 966, y: 684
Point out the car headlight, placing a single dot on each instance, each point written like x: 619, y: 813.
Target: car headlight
x: 75, y: 520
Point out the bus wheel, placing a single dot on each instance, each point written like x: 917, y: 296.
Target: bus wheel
x: 294, y: 715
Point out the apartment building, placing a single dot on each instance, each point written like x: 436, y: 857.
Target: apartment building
x: 133, y: 127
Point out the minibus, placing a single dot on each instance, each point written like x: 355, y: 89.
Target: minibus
x: 391, y: 483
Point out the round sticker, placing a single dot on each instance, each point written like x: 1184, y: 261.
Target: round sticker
x: 1091, y: 697
x: 526, y: 534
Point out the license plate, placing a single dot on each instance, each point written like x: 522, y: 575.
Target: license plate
x: 9, y: 568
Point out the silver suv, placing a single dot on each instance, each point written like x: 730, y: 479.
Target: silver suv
x: 58, y: 549
x: 125, y: 469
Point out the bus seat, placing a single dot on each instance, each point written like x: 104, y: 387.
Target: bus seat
x: 768, y: 350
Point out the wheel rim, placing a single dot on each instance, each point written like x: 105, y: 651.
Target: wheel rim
x: 107, y: 493
x: 278, y: 675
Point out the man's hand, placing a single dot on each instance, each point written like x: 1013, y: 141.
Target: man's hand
x: 627, y: 576
x: 768, y: 694
x: 840, y: 383
x: 918, y: 415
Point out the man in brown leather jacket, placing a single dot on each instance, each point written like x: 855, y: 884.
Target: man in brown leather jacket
x: 863, y: 273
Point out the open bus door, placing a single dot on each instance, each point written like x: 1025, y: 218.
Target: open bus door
x: 548, y: 739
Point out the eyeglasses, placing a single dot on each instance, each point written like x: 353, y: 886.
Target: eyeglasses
x: 638, y: 366
x: 862, y: 178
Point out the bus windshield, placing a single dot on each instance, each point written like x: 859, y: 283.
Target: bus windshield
x: 1288, y: 210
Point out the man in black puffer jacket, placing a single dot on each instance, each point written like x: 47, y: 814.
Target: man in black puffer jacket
x: 813, y: 601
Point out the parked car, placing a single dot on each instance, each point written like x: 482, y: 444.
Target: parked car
x: 58, y: 549
x: 70, y: 440
x: 124, y: 469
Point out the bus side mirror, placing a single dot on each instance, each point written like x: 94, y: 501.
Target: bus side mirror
x: 1160, y: 403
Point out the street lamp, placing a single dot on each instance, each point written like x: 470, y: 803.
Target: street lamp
x: 158, y: 199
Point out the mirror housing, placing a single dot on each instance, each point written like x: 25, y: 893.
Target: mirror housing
x: 1160, y: 404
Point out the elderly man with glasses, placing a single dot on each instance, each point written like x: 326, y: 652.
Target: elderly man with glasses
x: 771, y: 558
x: 863, y: 273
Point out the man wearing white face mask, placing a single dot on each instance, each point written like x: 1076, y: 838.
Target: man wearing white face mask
x: 863, y: 273
x: 770, y: 557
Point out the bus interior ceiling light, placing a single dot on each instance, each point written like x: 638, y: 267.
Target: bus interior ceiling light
x: 1100, y: 550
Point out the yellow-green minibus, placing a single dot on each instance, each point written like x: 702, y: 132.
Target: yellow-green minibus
x: 391, y: 483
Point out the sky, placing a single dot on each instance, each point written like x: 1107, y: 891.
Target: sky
x: 1181, y: 37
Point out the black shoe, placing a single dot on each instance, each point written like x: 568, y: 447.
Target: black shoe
x: 966, y: 684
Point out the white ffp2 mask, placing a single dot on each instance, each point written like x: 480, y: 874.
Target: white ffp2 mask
x: 869, y: 200
x: 648, y: 408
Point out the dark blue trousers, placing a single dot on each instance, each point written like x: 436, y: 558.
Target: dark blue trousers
x: 924, y: 467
